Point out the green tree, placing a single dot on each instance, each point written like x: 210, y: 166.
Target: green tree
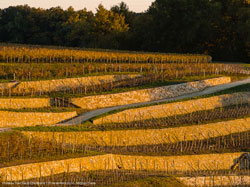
x: 107, y: 27
x: 232, y: 26
x: 123, y: 9
x: 16, y: 23
x: 181, y: 25
x: 79, y: 28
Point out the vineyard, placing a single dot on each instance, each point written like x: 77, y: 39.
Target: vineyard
x: 82, y: 117
x: 29, y: 54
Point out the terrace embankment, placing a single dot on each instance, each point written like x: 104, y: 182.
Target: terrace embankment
x: 65, y: 84
x: 145, y: 95
x: 110, y: 161
x: 241, y: 180
x: 177, y: 108
x: 20, y: 103
x: 145, y: 136
x: 22, y: 119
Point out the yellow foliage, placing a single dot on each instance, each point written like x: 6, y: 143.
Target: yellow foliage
x: 10, y: 53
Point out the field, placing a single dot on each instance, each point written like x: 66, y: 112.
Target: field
x: 118, y: 118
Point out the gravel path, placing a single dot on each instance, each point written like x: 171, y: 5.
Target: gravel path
x: 88, y: 115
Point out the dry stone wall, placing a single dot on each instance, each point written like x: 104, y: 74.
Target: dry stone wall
x: 19, y: 103
x: 22, y: 119
x: 61, y: 84
x: 177, y: 163
x: 102, y: 101
x: 44, y: 169
x: 216, y: 180
x: 146, y: 136
x: 108, y: 162
x: 177, y: 108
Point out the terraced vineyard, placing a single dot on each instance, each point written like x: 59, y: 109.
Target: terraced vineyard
x: 110, y: 118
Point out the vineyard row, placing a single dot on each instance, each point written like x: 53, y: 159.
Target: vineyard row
x: 45, y: 55
x: 22, y: 72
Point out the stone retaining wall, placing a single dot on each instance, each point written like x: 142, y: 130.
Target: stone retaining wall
x: 107, y: 162
x: 62, y: 84
x: 22, y: 119
x: 44, y: 169
x: 216, y: 180
x: 177, y: 163
x: 177, y: 108
x: 138, y: 96
x: 146, y: 137
x: 19, y: 103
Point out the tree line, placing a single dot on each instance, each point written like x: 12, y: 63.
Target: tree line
x: 220, y: 28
